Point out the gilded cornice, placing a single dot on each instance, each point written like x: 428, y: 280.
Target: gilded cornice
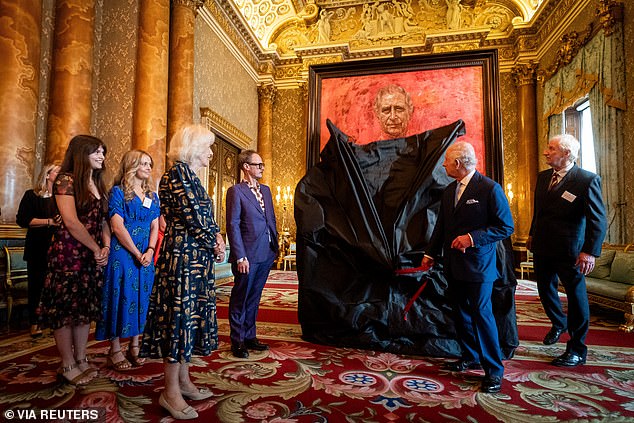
x: 519, y: 29
x: 218, y: 124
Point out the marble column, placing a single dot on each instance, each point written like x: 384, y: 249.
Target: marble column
x: 525, y: 77
x: 71, y: 75
x: 180, y: 106
x: 266, y: 98
x: 149, y: 122
x: 20, y: 30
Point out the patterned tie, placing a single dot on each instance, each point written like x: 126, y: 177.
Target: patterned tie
x: 554, y: 181
x: 255, y: 189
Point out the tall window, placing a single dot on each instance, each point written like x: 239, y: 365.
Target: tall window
x: 578, y: 122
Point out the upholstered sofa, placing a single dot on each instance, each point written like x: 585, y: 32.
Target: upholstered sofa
x: 611, y: 283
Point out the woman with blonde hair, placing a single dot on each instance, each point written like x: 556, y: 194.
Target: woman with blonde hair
x: 133, y: 210
x: 182, y: 313
x: 71, y: 297
x: 37, y: 213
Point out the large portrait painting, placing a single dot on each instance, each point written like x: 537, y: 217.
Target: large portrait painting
x: 442, y: 88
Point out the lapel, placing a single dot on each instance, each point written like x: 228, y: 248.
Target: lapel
x: 469, y: 190
x: 246, y: 191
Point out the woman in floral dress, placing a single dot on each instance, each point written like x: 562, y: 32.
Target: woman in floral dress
x: 133, y: 212
x: 71, y: 297
x: 181, y: 317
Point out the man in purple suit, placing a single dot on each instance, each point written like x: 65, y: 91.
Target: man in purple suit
x: 252, y: 234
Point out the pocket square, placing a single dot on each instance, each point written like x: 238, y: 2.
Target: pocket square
x: 472, y: 201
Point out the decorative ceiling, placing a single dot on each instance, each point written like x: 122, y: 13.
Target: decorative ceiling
x: 281, y: 38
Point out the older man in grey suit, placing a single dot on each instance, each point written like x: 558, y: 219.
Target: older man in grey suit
x: 566, y: 234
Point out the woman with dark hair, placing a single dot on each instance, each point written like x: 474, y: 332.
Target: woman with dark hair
x: 38, y: 214
x: 134, y: 212
x: 181, y: 317
x: 71, y: 297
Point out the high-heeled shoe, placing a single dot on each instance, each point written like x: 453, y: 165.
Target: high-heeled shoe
x: 134, y: 359
x: 187, y: 413
x: 63, y: 370
x: 198, y: 394
x: 122, y: 365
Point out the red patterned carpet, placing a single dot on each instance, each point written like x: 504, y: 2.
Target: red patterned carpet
x: 301, y: 382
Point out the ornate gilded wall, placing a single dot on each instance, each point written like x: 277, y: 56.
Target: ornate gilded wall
x: 222, y: 84
x: 289, y: 145
x: 508, y: 107
x: 115, y: 64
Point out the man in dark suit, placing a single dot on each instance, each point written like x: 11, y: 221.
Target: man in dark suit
x: 252, y: 234
x: 474, y: 215
x: 566, y: 234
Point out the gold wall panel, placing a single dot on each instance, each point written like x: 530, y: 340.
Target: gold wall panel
x: 508, y: 108
x: 289, y: 146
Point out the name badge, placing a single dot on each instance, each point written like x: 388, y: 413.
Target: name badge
x: 568, y: 196
x: 147, y: 203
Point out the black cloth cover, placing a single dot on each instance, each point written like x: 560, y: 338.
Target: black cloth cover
x: 363, y: 212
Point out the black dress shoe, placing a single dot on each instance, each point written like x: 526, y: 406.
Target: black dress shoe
x: 569, y: 359
x: 254, y: 344
x: 240, y: 350
x: 553, y: 335
x: 491, y: 384
x: 462, y: 365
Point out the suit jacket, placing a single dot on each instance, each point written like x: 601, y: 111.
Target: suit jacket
x: 252, y: 233
x: 570, y: 218
x: 484, y: 213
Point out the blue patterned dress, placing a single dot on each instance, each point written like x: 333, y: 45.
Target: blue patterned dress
x: 127, y: 284
x: 181, y: 318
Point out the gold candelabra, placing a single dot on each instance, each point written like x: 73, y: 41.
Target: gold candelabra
x: 284, y: 199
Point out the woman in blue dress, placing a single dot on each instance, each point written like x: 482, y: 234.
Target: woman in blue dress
x: 133, y: 211
x: 182, y: 313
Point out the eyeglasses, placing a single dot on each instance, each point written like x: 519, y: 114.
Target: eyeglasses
x: 258, y: 165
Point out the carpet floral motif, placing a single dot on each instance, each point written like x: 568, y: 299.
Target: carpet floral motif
x: 296, y: 381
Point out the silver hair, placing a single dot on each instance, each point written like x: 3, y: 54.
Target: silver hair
x: 392, y: 89
x: 568, y: 143
x: 189, y: 142
x: 464, y: 152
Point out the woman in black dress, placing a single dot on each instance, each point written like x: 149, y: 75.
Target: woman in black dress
x: 38, y: 214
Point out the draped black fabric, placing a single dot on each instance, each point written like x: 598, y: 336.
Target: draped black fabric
x: 363, y: 212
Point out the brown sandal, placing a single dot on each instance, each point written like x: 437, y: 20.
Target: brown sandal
x: 90, y: 371
x: 61, y: 372
x: 122, y: 365
x: 134, y: 358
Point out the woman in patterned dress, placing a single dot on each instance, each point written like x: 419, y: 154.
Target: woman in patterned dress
x: 134, y: 212
x: 71, y: 297
x: 181, y: 317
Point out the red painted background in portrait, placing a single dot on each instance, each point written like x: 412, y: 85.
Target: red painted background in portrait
x: 440, y: 97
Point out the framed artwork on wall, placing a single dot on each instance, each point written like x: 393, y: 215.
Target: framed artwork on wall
x: 442, y: 88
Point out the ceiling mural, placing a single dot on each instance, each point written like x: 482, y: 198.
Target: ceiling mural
x: 279, y: 37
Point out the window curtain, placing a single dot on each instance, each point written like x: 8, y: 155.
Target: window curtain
x: 597, y: 71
